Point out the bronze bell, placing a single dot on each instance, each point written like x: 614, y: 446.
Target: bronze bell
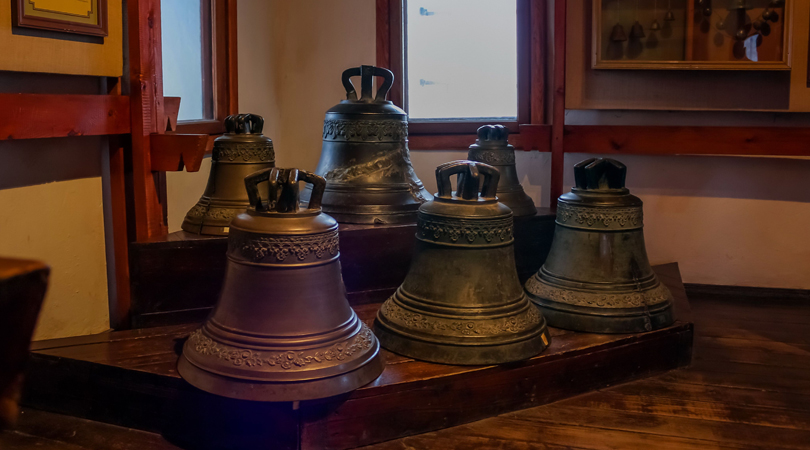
x: 282, y: 329
x: 492, y: 147
x: 637, y: 31
x: 365, y: 157
x: 617, y: 35
x: 597, y: 277
x: 462, y: 302
x: 241, y: 151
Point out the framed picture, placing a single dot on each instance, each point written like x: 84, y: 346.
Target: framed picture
x: 691, y: 34
x: 69, y: 16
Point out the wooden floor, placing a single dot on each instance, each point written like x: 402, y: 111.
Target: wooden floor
x: 748, y: 387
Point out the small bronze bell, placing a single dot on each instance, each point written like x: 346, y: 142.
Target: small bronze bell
x: 597, y: 277
x: 637, y: 31
x: 241, y: 151
x: 461, y: 302
x: 282, y: 329
x: 492, y: 147
x: 365, y: 157
x: 669, y: 16
x: 617, y: 35
x: 655, y: 25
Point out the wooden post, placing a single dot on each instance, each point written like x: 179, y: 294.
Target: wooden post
x: 558, y: 104
x: 146, y: 102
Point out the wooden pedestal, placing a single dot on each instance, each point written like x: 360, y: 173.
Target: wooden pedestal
x: 129, y: 378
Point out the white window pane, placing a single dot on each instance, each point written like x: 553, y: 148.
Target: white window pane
x: 182, y: 55
x: 462, y: 59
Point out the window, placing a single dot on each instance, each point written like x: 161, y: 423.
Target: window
x: 186, y: 32
x: 458, y: 64
x: 199, y: 61
x: 462, y: 59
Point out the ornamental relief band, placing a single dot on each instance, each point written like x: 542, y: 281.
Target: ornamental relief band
x: 599, y: 218
x: 244, y: 152
x: 493, y: 157
x: 199, y: 210
x: 524, y: 321
x: 498, y: 231
x: 284, y: 360
x: 278, y: 248
x: 656, y: 295
x: 365, y: 130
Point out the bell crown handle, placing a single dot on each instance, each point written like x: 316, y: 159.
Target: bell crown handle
x: 469, y: 180
x: 367, y: 74
x: 493, y: 133
x: 283, y: 189
x: 600, y: 174
x: 244, y: 124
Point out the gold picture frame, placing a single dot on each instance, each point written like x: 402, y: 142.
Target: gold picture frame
x: 598, y: 47
x: 69, y: 16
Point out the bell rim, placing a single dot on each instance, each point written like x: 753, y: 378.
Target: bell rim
x: 462, y: 355
x: 476, y: 330
x: 314, y: 389
x: 560, y: 315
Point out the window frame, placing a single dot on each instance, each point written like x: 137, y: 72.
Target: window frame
x: 219, y: 67
x: 392, y: 54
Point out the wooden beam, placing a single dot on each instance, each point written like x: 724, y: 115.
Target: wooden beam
x: 146, y: 90
x: 558, y: 104
x: 34, y: 116
x: 664, y: 140
x: 534, y: 137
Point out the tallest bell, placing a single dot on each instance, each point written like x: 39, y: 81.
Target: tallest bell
x: 365, y: 158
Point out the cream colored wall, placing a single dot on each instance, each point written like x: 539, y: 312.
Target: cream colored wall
x: 51, y: 198
x: 726, y: 220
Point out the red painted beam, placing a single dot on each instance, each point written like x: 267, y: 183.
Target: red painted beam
x: 34, y: 116
x: 667, y: 140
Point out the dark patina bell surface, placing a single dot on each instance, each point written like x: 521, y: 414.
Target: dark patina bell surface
x: 282, y: 329
x: 242, y: 150
x: 597, y: 277
x: 365, y: 157
x: 492, y: 147
x: 462, y: 302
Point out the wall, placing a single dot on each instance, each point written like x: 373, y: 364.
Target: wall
x: 726, y: 220
x: 51, y: 196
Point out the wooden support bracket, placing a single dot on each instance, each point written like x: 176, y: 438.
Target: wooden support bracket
x: 171, y: 152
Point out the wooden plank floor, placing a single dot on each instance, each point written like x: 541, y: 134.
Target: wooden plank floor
x: 748, y: 388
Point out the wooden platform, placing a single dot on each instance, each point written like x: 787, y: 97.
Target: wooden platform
x: 177, y: 278
x: 128, y: 378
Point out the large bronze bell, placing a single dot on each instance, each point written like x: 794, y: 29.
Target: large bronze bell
x: 241, y: 151
x: 492, y: 147
x: 282, y: 329
x: 462, y: 302
x: 365, y: 158
x: 597, y: 277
